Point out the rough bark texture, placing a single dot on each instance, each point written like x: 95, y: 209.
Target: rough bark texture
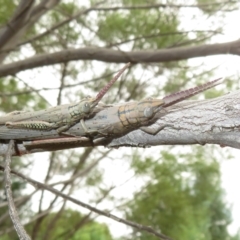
x: 215, y: 121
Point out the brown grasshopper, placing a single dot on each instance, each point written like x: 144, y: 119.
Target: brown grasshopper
x: 135, y: 115
x: 60, y: 117
x: 112, y: 121
x: 115, y: 121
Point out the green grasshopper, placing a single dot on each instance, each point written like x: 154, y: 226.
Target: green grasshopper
x: 60, y: 117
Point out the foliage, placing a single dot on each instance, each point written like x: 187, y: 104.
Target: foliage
x: 183, y: 198
x: 6, y: 10
x: 56, y: 226
x: 12, y: 99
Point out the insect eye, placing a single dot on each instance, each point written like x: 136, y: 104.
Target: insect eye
x: 86, y: 107
x: 148, y: 112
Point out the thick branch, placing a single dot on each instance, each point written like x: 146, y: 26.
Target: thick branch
x: 214, y: 121
x: 110, y: 55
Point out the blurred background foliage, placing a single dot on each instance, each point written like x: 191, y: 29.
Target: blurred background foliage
x: 180, y: 193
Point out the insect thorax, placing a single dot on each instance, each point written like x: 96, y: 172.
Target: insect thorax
x: 79, y: 110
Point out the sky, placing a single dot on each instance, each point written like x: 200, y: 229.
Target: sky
x: 228, y: 66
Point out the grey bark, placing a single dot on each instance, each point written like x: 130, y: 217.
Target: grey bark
x: 215, y: 121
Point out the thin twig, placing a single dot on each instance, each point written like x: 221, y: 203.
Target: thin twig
x: 96, y: 210
x: 53, y: 28
x: 160, y: 5
x: 12, y: 209
x: 157, y: 35
x: 62, y: 80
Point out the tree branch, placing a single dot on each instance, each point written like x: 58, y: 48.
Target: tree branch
x: 19, y: 18
x: 115, y: 56
x: 93, y: 209
x: 60, y: 24
x: 26, y: 15
x: 214, y: 121
x: 204, y: 6
x: 11, y: 206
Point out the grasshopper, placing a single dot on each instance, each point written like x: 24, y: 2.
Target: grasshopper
x: 140, y: 114
x: 60, y: 117
x: 116, y: 121
x: 109, y: 122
